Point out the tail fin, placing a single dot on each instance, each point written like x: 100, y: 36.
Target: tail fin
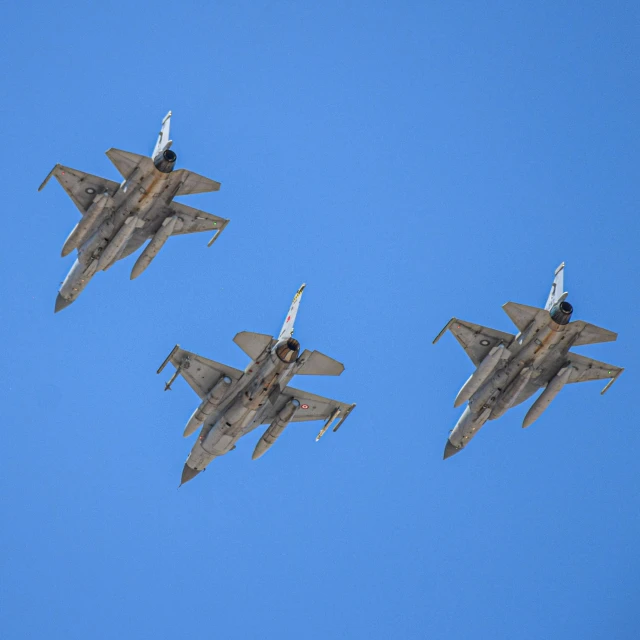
x: 287, y: 327
x: 163, y: 142
x: 557, y: 293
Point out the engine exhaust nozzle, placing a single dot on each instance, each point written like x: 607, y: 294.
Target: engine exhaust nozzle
x: 288, y: 350
x: 165, y: 161
x: 561, y: 312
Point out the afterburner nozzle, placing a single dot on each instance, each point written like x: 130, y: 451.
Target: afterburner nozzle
x: 561, y: 312
x: 165, y: 161
x: 288, y: 350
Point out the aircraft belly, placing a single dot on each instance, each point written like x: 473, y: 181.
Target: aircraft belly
x: 76, y: 280
x: 525, y: 394
x: 222, y: 437
x: 199, y: 458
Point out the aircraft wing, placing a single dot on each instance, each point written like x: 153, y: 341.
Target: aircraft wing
x: 194, y: 220
x: 475, y: 339
x: 199, y: 372
x: 81, y: 187
x: 312, y: 407
x: 585, y: 369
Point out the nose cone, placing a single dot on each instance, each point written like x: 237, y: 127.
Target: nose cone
x: 61, y: 303
x: 188, y: 474
x: 450, y: 450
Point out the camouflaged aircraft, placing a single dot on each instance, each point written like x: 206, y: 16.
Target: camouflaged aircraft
x: 511, y: 368
x: 235, y: 402
x: 117, y: 218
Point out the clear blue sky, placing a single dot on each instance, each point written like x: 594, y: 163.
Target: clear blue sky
x: 410, y: 162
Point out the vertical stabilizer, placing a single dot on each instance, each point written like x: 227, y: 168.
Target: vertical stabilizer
x: 163, y: 142
x: 557, y: 293
x: 287, y: 328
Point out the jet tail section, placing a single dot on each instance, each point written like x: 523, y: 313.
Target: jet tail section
x: 191, y: 182
x: 126, y: 161
x: 590, y: 334
x: 557, y: 293
x: 253, y: 344
x: 163, y: 142
x: 317, y: 364
x: 287, y: 328
x: 522, y: 315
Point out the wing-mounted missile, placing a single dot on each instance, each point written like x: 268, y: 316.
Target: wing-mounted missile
x: 507, y: 399
x: 82, y: 229
x: 481, y: 374
x: 208, y: 405
x: 334, y: 415
x: 276, y: 428
x: 544, y: 400
x: 153, y: 248
x: 116, y: 245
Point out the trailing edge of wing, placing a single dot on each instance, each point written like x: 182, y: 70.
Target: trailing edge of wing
x: 253, y: 344
x: 522, y: 315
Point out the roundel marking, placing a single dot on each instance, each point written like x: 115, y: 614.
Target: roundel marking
x: 304, y: 406
x: 90, y: 190
x: 485, y: 343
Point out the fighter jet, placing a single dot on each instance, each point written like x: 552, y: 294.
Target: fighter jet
x: 235, y: 402
x: 511, y: 368
x: 118, y: 218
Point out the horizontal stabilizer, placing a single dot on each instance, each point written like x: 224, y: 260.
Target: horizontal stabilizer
x: 125, y: 161
x: 590, y: 334
x: 522, y: 315
x: 253, y: 344
x: 317, y: 364
x: 194, y: 183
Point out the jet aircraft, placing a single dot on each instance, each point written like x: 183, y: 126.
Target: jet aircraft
x: 118, y: 218
x: 235, y: 402
x: 511, y: 368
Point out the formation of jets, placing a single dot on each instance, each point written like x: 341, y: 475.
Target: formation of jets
x: 118, y: 218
